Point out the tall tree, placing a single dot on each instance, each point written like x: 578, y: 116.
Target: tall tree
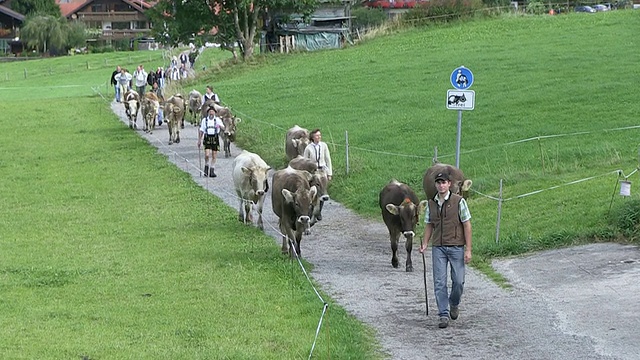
x: 231, y: 20
x: 33, y: 7
x: 44, y: 32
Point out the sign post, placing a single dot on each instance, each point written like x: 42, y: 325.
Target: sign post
x: 460, y: 99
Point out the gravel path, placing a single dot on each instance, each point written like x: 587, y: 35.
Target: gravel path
x: 352, y: 262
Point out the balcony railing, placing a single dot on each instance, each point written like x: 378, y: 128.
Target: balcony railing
x: 124, y: 34
x: 111, y: 16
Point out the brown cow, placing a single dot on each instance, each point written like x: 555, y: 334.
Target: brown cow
x: 229, y: 134
x: 319, y: 180
x: 150, y: 106
x: 250, y: 182
x: 400, y: 212
x: 296, y: 141
x: 459, y: 185
x: 195, y: 103
x: 291, y: 200
x: 174, y: 113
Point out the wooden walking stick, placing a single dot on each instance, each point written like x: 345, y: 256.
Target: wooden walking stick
x: 426, y: 297
x: 200, y: 160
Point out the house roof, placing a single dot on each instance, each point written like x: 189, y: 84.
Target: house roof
x: 16, y: 15
x: 68, y: 7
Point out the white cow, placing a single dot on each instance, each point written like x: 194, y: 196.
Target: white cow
x: 250, y: 181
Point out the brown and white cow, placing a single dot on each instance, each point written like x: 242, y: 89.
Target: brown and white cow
x: 251, y: 184
x: 296, y: 141
x: 195, y: 103
x: 319, y: 180
x: 131, y: 106
x: 204, y: 109
x: 150, y: 106
x: 174, y: 113
x: 230, y: 127
x: 459, y: 185
x: 291, y: 200
x: 400, y: 212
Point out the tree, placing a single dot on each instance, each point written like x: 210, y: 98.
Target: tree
x: 44, y: 31
x: 231, y: 21
x: 39, y: 7
x: 76, y: 34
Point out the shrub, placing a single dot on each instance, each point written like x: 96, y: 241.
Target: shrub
x: 364, y: 17
x: 536, y: 8
x: 625, y: 217
x: 441, y: 11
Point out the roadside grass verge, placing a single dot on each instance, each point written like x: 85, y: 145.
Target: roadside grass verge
x: 111, y: 252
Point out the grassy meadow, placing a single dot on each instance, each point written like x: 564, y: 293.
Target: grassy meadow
x: 565, y: 79
x: 109, y: 252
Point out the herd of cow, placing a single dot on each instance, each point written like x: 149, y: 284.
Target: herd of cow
x: 299, y: 190
x: 175, y: 109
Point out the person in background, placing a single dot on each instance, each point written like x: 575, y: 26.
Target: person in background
x: 124, y: 81
x: 318, y: 151
x: 448, y: 226
x: 210, y: 95
x: 210, y: 128
x: 114, y: 82
x: 160, y: 76
x: 140, y: 78
x: 156, y: 89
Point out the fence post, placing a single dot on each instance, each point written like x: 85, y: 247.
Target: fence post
x: 435, y: 155
x: 346, y: 136
x: 25, y: 73
x: 87, y: 65
x: 541, y: 154
x: 499, y: 214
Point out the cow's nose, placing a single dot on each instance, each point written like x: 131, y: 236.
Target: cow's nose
x: 303, y: 219
x: 409, y: 234
x: 324, y: 198
x: 260, y: 192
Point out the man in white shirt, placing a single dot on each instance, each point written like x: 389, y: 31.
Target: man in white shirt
x: 140, y: 77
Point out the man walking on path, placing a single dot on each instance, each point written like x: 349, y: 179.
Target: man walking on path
x: 448, y: 223
x: 210, y: 128
x: 114, y: 82
x: 140, y: 77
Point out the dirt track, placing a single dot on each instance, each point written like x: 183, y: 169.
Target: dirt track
x: 579, y: 303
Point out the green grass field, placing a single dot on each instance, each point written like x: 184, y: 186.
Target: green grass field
x: 109, y: 252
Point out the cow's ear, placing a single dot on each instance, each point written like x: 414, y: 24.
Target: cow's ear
x: 391, y: 208
x: 423, y: 204
x: 307, y: 175
x: 313, y: 192
x: 288, y: 196
x: 245, y: 170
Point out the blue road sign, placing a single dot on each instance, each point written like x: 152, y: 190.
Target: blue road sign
x: 461, y: 78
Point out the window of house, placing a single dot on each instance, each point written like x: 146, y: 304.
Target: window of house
x: 139, y: 24
x: 120, y: 25
x: 98, y: 8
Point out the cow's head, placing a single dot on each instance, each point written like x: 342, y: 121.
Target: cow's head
x: 230, y: 123
x: 257, y: 179
x: 320, y: 181
x: 409, y: 213
x: 301, y: 202
x: 300, y: 144
x: 132, y: 108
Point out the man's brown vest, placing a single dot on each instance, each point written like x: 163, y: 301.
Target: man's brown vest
x: 447, y: 228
